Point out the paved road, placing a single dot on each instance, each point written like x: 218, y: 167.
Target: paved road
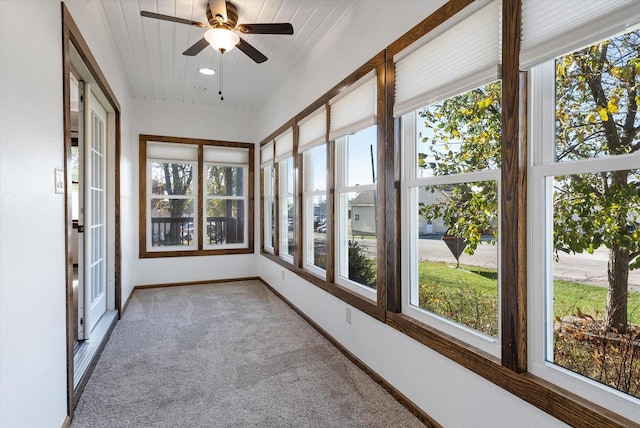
x: 585, y: 268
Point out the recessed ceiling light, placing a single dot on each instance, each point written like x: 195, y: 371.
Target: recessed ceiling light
x: 208, y: 71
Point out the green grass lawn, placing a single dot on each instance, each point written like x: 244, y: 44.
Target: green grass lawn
x: 441, y: 281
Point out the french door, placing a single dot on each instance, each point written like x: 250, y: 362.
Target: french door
x: 92, y: 263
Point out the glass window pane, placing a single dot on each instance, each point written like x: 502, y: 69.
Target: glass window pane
x: 362, y: 157
x: 456, y: 273
x: 287, y: 209
x: 225, y: 222
x: 596, y: 288
x: 317, y: 168
x: 316, y: 233
x: 171, y: 178
x: 286, y: 225
x: 596, y: 101
x: 269, y: 206
x: 290, y: 178
x: 460, y: 134
x: 357, y: 237
x: 171, y: 222
x: 225, y: 180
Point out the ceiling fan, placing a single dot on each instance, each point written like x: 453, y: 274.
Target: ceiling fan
x: 222, y: 30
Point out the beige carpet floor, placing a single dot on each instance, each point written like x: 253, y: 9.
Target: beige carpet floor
x: 227, y: 355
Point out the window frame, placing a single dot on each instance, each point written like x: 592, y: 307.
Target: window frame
x: 283, y: 196
x: 341, y: 188
x: 308, y: 195
x: 540, y: 205
x: 269, y: 200
x: 150, y: 196
x: 199, y: 197
x: 411, y: 184
x: 206, y: 198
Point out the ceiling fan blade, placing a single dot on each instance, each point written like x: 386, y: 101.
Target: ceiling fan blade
x: 196, y: 48
x: 275, y: 28
x: 251, y: 52
x: 172, y: 19
x: 218, y: 8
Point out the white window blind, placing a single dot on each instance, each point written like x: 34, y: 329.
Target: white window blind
x: 313, y: 129
x: 553, y: 28
x: 284, y: 145
x: 226, y: 155
x: 172, y: 151
x: 355, y: 109
x: 266, y: 155
x: 461, y: 58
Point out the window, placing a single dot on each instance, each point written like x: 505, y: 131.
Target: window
x: 172, y: 179
x: 225, y: 204
x: 450, y: 118
x: 312, y: 144
x: 451, y: 195
x: 356, y: 212
x: 287, y: 209
x: 315, y: 209
x: 286, y: 193
x: 180, y: 219
x: 269, y: 193
x: 353, y: 127
x: 585, y: 185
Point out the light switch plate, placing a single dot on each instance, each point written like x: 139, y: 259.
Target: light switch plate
x: 59, y: 180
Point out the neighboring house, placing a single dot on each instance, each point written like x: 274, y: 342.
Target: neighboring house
x: 435, y: 226
x: 363, y: 213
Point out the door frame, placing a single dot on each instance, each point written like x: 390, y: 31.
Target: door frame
x: 72, y: 38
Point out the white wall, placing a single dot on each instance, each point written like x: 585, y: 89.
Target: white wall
x: 32, y: 256
x: 446, y: 391
x: 196, y: 121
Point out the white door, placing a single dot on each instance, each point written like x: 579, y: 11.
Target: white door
x: 95, y: 201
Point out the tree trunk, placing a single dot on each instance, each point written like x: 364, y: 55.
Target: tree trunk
x: 618, y: 274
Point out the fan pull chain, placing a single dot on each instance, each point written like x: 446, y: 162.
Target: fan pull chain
x: 221, y: 74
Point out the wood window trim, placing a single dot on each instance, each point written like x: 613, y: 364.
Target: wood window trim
x: 142, y: 198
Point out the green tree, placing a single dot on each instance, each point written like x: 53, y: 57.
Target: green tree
x: 596, y: 116
x: 361, y: 269
x: 226, y: 181
x: 175, y: 179
x: 462, y: 134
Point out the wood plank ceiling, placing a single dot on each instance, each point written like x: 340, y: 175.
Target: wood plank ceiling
x: 151, y: 50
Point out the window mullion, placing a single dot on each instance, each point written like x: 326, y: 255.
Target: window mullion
x: 513, y: 203
x: 200, y: 200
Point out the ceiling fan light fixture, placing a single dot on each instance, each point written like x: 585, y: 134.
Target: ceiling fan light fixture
x: 207, y: 71
x: 221, y: 39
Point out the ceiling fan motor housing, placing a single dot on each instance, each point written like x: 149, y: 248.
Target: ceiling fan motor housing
x: 232, y: 16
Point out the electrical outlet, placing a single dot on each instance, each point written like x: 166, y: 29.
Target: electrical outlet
x: 348, y: 315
